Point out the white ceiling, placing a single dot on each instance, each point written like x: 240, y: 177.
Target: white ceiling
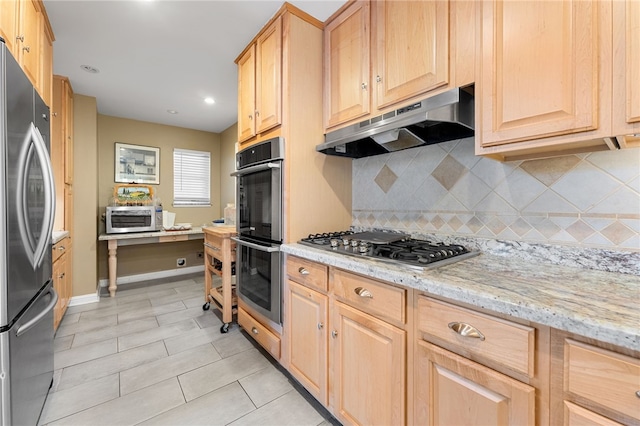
x: 161, y: 55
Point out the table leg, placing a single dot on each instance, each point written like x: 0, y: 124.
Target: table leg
x: 113, y: 267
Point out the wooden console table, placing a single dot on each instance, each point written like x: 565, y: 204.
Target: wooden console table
x: 117, y: 240
x: 220, y: 253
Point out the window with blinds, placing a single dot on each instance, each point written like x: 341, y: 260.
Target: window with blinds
x: 191, y: 178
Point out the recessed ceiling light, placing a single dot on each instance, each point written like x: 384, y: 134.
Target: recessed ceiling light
x: 90, y: 69
x: 209, y: 101
x: 172, y: 111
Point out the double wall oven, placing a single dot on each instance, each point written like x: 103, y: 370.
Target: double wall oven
x: 259, y: 226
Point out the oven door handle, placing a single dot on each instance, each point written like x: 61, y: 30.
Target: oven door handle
x: 255, y: 246
x: 258, y: 168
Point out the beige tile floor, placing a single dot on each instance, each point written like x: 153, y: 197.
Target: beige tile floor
x: 152, y: 356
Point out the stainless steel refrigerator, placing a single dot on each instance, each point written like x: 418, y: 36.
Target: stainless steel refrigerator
x: 27, y: 209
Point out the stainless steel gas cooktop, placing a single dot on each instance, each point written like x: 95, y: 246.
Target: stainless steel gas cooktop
x: 390, y: 248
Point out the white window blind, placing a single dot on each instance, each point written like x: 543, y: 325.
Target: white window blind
x: 191, y: 178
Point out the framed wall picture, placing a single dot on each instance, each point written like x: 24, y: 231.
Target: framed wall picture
x: 137, y: 164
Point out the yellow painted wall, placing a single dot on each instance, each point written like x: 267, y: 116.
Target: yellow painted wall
x: 143, y: 259
x: 228, y: 141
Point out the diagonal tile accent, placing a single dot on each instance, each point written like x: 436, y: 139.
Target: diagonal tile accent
x: 580, y: 230
x: 617, y: 233
x: 549, y: 170
x: 449, y: 172
x: 386, y: 178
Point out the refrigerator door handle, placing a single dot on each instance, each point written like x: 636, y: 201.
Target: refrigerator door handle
x: 32, y: 322
x: 37, y: 248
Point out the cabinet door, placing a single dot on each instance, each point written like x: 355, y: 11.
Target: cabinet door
x: 8, y: 23
x: 626, y: 71
x: 29, y: 45
x: 57, y: 149
x: 346, y: 65
x: 368, y: 382
x: 247, y: 94
x: 411, y: 48
x: 538, y: 69
x: 452, y: 390
x: 60, y: 286
x: 308, y: 339
x: 268, y: 111
x: 46, y: 61
x: 68, y: 133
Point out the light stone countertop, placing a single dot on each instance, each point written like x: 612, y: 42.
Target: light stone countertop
x: 57, y: 236
x: 595, y: 304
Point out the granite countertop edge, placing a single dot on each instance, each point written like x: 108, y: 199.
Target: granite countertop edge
x: 557, y: 296
x: 57, y: 236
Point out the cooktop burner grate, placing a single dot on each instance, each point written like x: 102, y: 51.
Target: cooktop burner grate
x: 390, y: 247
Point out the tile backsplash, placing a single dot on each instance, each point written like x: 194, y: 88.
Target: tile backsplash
x: 587, y: 200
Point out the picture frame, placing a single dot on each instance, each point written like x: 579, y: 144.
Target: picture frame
x: 137, y: 164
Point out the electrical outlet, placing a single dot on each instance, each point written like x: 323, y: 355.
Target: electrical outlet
x: 180, y: 262
x: 200, y: 255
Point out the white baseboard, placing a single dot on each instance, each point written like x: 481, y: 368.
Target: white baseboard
x: 84, y: 299
x: 154, y: 275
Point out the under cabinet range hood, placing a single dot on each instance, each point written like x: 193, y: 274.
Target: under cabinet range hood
x: 440, y: 118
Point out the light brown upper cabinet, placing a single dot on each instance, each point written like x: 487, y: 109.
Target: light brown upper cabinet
x: 260, y: 83
x: 411, y: 49
x: 626, y: 72
x: 45, y: 75
x: 25, y: 28
x: 27, y: 39
x: 550, y: 74
x: 379, y: 54
x: 9, y: 24
x: 346, y: 65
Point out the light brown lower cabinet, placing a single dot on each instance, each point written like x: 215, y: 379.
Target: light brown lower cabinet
x: 453, y: 390
x: 374, y: 353
x: 368, y: 382
x: 62, y: 283
x: 308, y: 345
x: 596, y: 383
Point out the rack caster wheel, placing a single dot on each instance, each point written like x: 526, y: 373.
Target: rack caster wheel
x: 205, y: 307
x: 224, y: 328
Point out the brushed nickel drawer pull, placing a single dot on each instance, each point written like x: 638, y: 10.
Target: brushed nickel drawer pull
x: 320, y: 325
x: 638, y: 393
x: 303, y: 271
x: 334, y: 334
x: 60, y: 248
x: 363, y: 292
x: 254, y: 330
x: 466, y: 330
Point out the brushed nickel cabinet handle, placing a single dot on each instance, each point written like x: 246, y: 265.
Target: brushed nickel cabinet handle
x: 334, y: 334
x: 378, y: 78
x: 61, y: 248
x: 638, y: 393
x: 466, y: 330
x: 303, y: 271
x: 254, y: 330
x: 320, y: 325
x: 26, y: 49
x: 364, y: 86
x: 363, y: 292
x: 20, y: 38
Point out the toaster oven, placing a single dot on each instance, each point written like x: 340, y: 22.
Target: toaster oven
x: 124, y: 219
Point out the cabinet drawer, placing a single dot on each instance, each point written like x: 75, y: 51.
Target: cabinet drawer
x: 371, y: 296
x: 310, y: 274
x: 59, y: 249
x: 606, y: 378
x: 509, y: 344
x: 269, y: 341
x: 212, y: 240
